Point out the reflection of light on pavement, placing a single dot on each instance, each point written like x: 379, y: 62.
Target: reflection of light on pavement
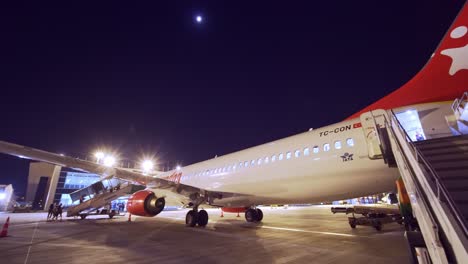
x: 307, y: 231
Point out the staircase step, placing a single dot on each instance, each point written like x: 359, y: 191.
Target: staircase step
x: 455, y: 183
x: 442, y: 139
x: 442, y: 145
x: 460, y: 156
x: 463, y: 208
x: 450, y: 165
x: 460, y: 197
x: 443, y: 174
x: 446, y: 151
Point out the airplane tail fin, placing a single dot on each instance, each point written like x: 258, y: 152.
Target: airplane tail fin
x: 443, y: 78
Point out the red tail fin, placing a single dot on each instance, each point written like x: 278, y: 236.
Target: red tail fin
x: 443, y: 78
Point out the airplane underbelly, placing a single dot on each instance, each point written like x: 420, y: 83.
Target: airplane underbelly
x: 307, y: 185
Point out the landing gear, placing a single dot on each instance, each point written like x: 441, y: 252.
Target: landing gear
x: 191, y: 218
x: 202, y: 218
x: 194, y: 217
x: 253, y: 215
x: 260, y: 215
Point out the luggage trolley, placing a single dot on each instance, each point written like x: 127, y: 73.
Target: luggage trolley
x: 374, y: 216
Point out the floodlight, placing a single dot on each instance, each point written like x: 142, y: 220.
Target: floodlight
x: 109, y: 161
x: 147, y: 165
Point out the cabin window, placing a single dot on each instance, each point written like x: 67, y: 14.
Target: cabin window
x: 224, y: 169
x: 350, y: 142
x: 326, y: 147
x: 234, y: 167
x: 316, y: 149
x: 288, y: 155
x: 246, y: 164
x: 267, y: 159
x: 337, y: 144
x: 280, y: 156
x: 241, y: 164
x: 252, y: 162
x: 297, y: 153
x: 216, y: 170
x: 306, y: 152
x: 259, y: 161
x: 229, y: 168
x: 273, y: 158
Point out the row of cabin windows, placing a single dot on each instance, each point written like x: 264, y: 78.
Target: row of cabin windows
x: 273, y: 158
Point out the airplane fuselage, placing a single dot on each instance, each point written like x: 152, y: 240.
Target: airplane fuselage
x: 324, y: 164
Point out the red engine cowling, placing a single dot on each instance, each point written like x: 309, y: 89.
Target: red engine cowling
x: 145, y: 203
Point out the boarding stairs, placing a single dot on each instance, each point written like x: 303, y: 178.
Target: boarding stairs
x: 435, y: 173
x: 100, y: 198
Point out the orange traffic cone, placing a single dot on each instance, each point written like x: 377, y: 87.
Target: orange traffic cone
x: 129, y: 217
x: 4, y: 232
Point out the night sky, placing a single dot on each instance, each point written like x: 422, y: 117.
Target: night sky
x: 145, y: 78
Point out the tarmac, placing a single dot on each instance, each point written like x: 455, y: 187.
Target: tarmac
x: 294, y: 235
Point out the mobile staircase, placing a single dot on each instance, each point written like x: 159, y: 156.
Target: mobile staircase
x: 99, y: 195
x: 435, y: 174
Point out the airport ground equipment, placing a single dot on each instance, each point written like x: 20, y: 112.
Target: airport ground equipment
x: 435, y: 174
x: 372, y: 215
x: 100, y: 199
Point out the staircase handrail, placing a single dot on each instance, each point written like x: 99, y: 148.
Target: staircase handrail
x: 440, y: 187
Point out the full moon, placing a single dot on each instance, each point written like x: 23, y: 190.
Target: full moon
x: 199, y: 19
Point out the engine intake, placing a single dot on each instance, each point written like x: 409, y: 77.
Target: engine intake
x: 145, y: 203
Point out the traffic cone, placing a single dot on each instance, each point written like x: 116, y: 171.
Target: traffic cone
x: 238, y: 214
x: 4, y: 232
x: 129, y: 217
x: 222, y: 215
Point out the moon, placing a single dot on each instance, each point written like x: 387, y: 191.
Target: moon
x: 199, y: 19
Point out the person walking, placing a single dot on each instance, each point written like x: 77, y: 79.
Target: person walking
x: 59, y: 211
x: 55, y: 212
x: 51, y: 211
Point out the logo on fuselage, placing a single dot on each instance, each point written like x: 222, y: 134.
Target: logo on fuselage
x: 347, y: 157
x: 174, y: 177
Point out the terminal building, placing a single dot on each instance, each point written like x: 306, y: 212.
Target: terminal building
x: 6, y: 194
x: 48, y: 183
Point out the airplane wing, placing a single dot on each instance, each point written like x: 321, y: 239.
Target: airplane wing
x: 184, y: 194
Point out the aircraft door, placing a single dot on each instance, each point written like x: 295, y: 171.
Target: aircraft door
x: 375, y: 132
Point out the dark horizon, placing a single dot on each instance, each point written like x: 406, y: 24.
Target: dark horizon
x: 148, y: 79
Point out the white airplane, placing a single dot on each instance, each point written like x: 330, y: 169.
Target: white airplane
x: 335, y: 162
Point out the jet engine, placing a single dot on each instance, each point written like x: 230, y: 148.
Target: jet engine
x: 145, y: 203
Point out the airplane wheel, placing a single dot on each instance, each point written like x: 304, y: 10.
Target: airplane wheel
x: 352, y: 223
x: 202, y: 218
x: 378, y: 226
x: 83, y: 216
x: 251, y: 215
x: 260, y: 215
x: 112, y: 213
x: 191, y: 218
